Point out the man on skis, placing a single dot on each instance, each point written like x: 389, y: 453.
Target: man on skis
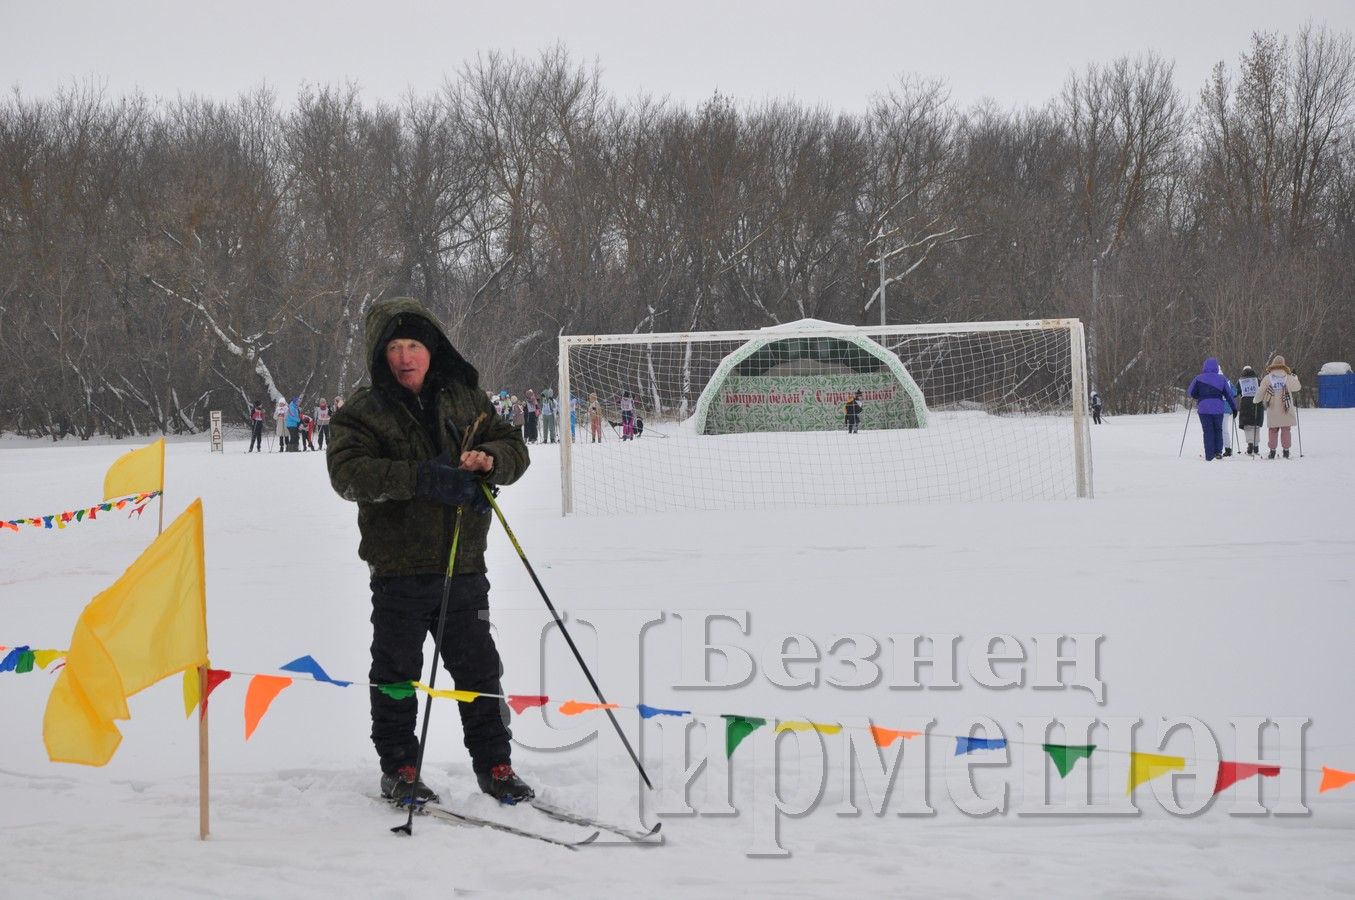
x: 396, y: 449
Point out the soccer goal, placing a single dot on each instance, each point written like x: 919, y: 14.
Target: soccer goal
x: 817, y: 414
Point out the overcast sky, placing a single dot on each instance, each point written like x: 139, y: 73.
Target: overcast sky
x: 834, y: 52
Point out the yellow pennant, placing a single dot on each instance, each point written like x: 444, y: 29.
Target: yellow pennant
x: 458, y: 696
x: 1147, y: 766
x: 807, y: 726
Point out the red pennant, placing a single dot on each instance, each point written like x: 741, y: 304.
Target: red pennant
x: 138, y: 511
x: 521, y: 702
x: 1231, y: 773
x: 92, y: 511
x: 214, y: 677
x: 13, y: 525
x: 66, y: 517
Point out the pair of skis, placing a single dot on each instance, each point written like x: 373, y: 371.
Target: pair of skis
x: 459, y: 817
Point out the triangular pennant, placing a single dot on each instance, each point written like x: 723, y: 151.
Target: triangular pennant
x: 574, y: 707
x: 737, y: 728
x: 1065, y: 756
x: 25, y: 663
x: 522, y: 702
x: 93, y: 512
x: 11, y: 660
x: 306, y: 665
x: 43, y: 658
x: 214, y: 678
x: 458, y: 696
x: 191, y: 691
x: 1147, y: 766
x: 1333, y: 779
x: 649, y: 712
x: 1230, y: 773
x: 807, y: 726
x: 399, y: 690
x: 79, y: 515
x: 886, y: 736
x: 965, y: 745
x: 258, y: 696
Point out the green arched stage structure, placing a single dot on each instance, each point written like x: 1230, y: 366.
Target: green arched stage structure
x: 795, y: 380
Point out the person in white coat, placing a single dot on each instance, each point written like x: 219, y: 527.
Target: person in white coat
x: 1279, y: 384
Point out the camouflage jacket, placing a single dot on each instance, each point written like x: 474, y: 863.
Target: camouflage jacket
x: 377, y: 443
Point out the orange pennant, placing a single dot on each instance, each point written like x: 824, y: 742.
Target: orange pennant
x: 1333, y: 779
x: 262, y: 689
x: 574, y: 707
x: 886, y: 736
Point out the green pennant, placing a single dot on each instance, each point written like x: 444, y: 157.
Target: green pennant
x: 1066, y: 757
x: 79, y: 514
x: 737, y: 728
x: 25, y: 663
x: 398, y: 690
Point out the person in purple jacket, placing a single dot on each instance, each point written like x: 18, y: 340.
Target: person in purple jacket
x: 1213, y: 396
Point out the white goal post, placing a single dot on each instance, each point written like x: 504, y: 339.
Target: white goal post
x: 762, y: 419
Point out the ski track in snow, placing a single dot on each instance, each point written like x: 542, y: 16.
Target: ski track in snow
x: 1222, y: 589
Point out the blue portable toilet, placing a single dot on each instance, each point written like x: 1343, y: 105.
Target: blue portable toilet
x: 1336, y: 386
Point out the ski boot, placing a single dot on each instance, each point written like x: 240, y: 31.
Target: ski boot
x: 402, y: 787
x: 1227, y: 451
x: 1272, y: 455
x: 1286, y: 453
x: 503, y: 784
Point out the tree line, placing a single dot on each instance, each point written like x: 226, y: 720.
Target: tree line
x: 159, y: 259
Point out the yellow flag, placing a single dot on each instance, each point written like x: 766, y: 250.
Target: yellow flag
x: 820, y: 727
x: 137, y: 472
x: 458, y: 696
x: 150, y: 624
x: 1147, y: 766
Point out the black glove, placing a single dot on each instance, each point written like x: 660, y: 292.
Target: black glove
x: 439, y: 480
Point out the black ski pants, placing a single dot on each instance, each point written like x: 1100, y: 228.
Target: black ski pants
x: 255, y: 437
x: 404, y: 614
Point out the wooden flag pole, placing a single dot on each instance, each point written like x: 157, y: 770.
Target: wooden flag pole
x: 204, y: 818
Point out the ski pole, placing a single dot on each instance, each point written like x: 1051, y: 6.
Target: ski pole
x: 408, y: 828
x: 1298, y: 427
x: 597, y: 691
x: 1189, y: 404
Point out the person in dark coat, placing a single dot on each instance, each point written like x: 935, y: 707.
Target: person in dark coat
x: 1213, y: 396
x: 853, y: 410
x: 396, y: 448
x: 1096, y: 408
x: 1250, y: 414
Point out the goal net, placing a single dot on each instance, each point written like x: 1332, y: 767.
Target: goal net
x: 817, y: 414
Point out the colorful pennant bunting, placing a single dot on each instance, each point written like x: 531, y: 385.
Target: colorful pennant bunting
x: 71, y: 517
x: 1232, y: 772
x: 523, y: 702
x: 306, y: 665
x: 965, y: 745
x: 191, y: 689
x: 1147, y: 766
x: 259, y: 696
x: 649, y: 712
x: 574, y: 707
x: 737, y: 728
x: 807, y: 726
x: 886, y: 736
x: 1065, y: 757
x: 1333, y: 779
x: 399, y: 690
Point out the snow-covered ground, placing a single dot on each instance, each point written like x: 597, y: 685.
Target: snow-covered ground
x: 1222, y: 590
